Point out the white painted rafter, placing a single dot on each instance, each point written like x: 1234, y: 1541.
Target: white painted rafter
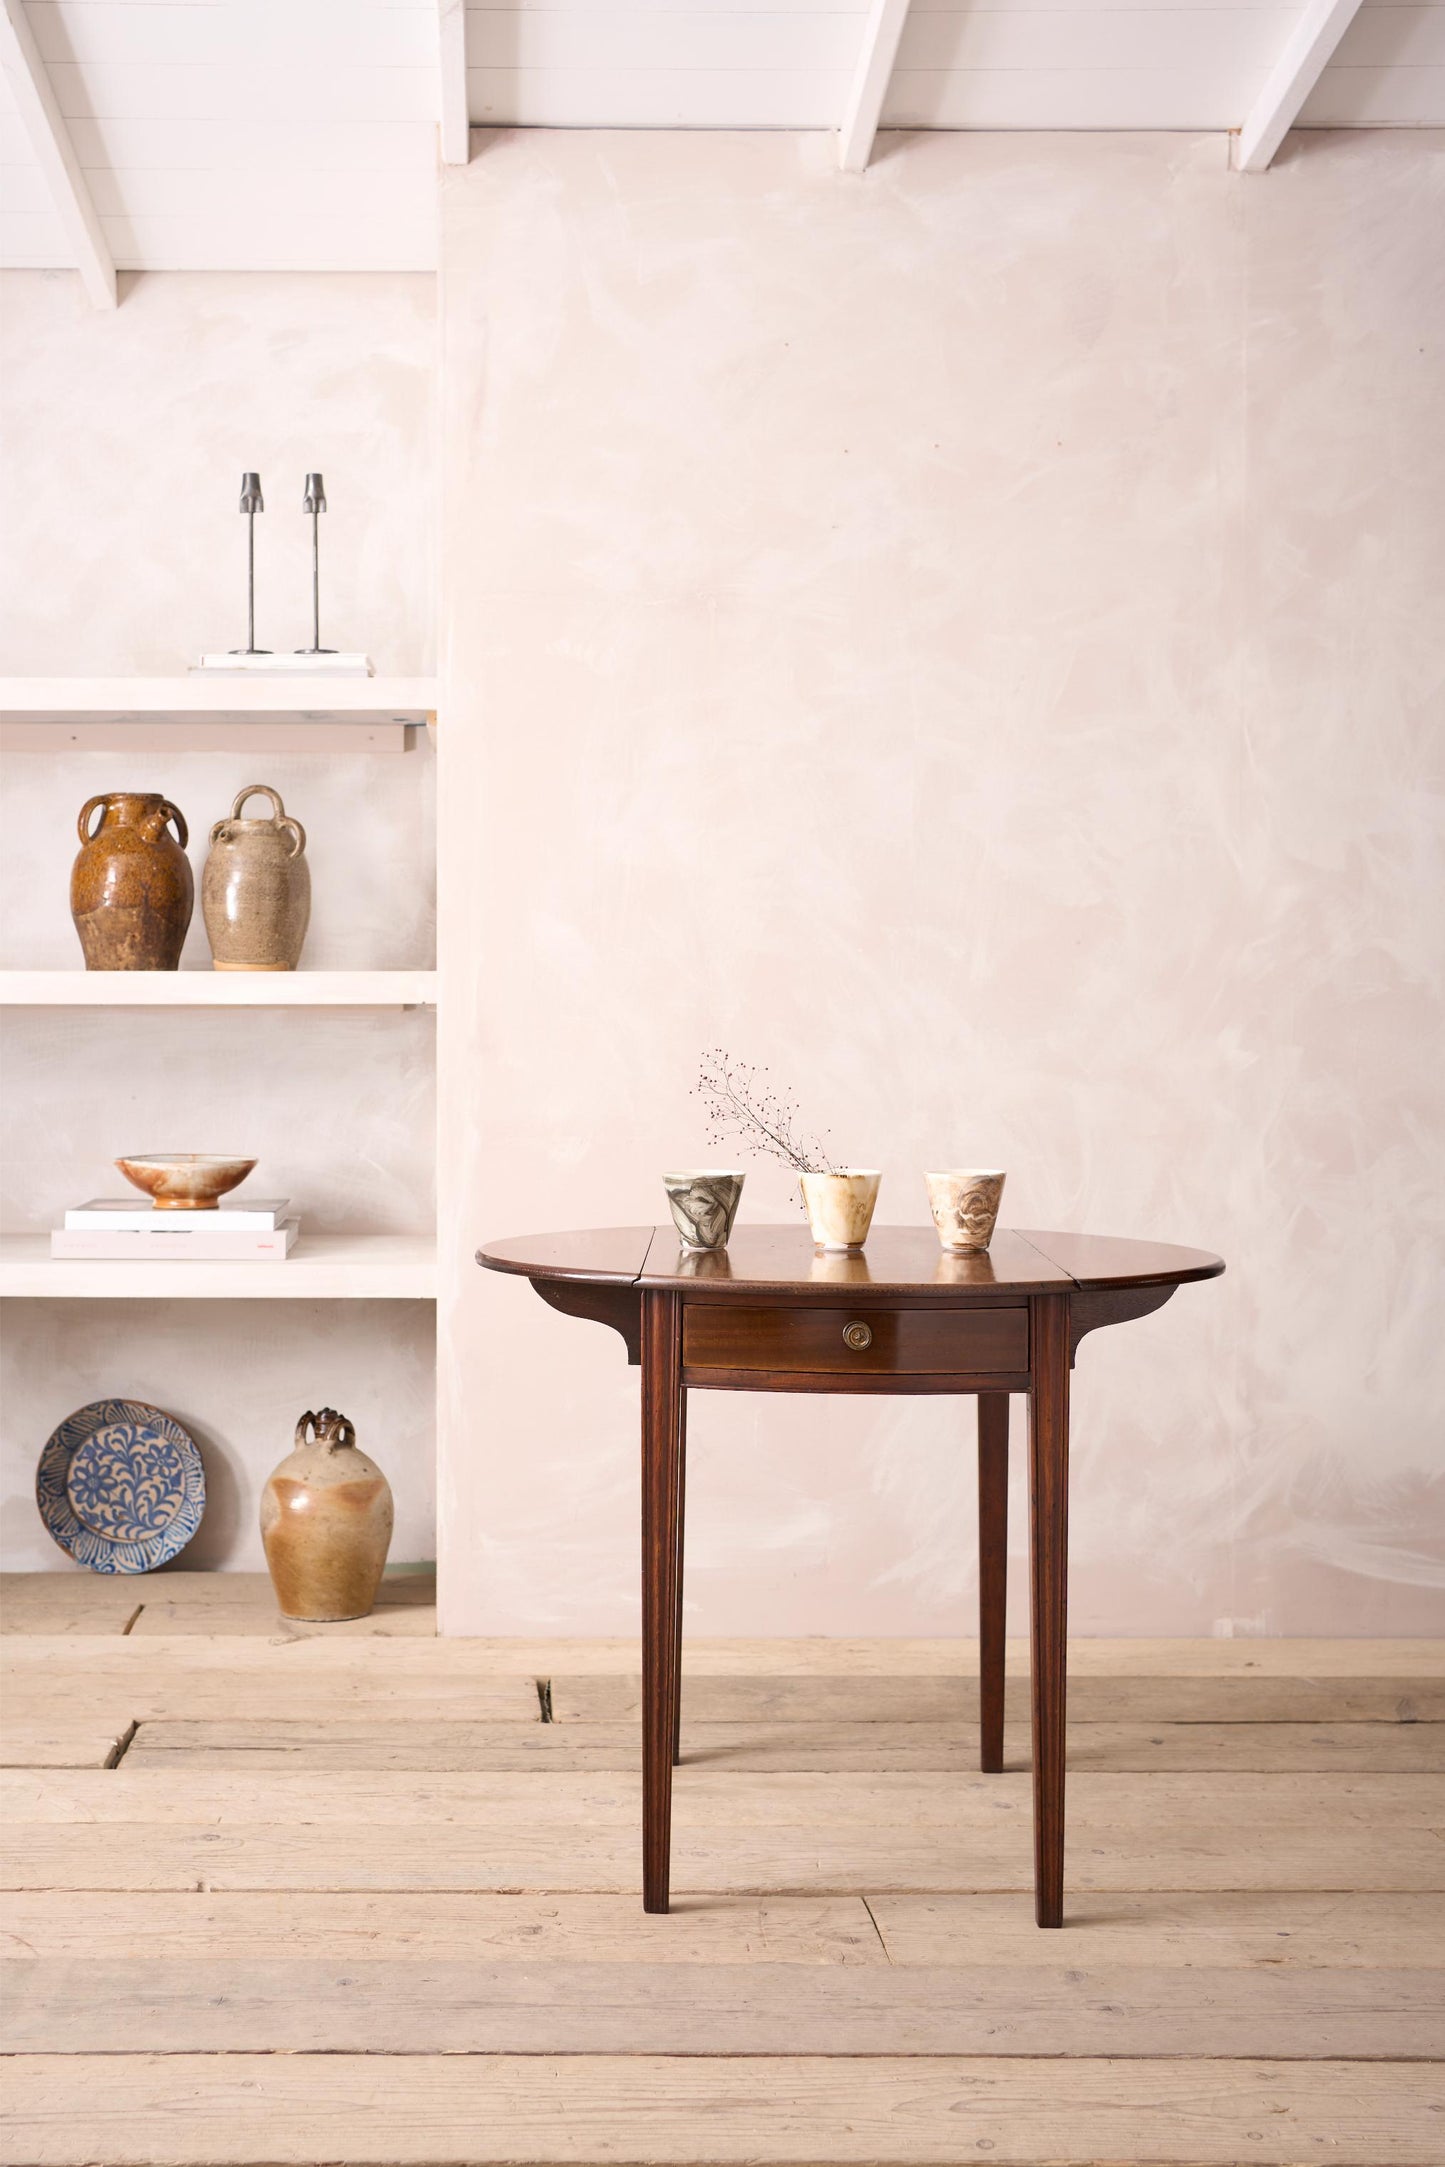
x: 452, y: 38
x: 44, y: 123
x: 1290, y: 81
x: 869, y: 88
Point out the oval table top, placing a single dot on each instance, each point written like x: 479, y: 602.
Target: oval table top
x: 897, y: 1260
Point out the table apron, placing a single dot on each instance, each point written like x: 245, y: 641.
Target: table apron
x: 890, y: 1383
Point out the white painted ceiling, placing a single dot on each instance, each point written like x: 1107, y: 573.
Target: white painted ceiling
x: 302, y: 134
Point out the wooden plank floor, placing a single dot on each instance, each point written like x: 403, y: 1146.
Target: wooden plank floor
x: 366, y: 1897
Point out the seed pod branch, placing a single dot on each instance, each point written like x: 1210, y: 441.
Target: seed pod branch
x: 743, y: 1105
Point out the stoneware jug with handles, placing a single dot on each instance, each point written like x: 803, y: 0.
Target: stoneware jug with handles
x: 256, y: 888
x: 131, y: 891
x: 326, y: 1519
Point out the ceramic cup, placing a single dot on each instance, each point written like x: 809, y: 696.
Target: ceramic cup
x: 840, y: 1207
x: 704, y: 1203
x: 965, y: 1206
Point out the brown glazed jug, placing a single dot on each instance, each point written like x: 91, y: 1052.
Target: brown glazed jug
x: 326, y: 1516
x: 131, y: 890
x: 256, y: 888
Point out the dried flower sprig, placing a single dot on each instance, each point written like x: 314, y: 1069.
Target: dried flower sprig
x: 741, y: 1101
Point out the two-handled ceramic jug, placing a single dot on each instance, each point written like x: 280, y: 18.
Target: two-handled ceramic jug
x: 326, y: 1517
x: 131, y: 891
x: 256, y: 888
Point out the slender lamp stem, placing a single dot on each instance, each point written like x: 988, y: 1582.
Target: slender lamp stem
x: 251, y: 503
x: 313, y: 500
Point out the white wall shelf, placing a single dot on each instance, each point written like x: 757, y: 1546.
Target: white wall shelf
x: 214, y: 714
x: 253, y: 719
x: 341, y: 1267
x: 217, y: 989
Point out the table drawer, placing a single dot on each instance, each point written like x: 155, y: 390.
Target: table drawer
x: 870, y: 1342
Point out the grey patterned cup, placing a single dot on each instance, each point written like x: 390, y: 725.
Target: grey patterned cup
x: 704, y: 1205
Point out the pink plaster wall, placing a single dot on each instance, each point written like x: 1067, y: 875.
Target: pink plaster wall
x: 123, y: 436
x: 970, y: 637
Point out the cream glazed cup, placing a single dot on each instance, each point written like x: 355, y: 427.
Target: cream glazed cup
x: 840, y: 1207
x: 965, y: 1205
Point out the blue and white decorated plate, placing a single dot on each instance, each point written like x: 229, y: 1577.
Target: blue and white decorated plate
x: 120, y: 1486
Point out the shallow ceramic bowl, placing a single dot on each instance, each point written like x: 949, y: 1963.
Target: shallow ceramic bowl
x: 185, y: 1180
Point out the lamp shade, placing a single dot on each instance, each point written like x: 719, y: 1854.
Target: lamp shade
x: 251, y: 500
x: 314, y: 496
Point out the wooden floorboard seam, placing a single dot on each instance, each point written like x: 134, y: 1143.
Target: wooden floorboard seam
x: 876, y: 1928
x: 122, y: 1746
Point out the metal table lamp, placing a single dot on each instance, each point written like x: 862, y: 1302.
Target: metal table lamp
x: 251, y: 503
x: 313, y: 500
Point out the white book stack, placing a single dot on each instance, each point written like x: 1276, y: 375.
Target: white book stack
x: 116, y: 1228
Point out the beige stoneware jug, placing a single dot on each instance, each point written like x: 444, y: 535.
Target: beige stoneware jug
x: 326, y: 1518
x: 256, y: 889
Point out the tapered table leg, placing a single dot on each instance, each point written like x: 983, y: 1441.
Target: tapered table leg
x: 681, y: 1560
x: 662, y: 1401
x: 1049, y: 1573
x: 992, y: 1573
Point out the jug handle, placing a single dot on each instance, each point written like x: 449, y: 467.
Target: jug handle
x: 173, y: 812
x: 294, y: 829
x: 261, y: 790
x: 345, y: 1434
x: 82, y: 825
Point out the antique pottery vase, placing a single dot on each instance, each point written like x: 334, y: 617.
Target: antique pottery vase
x: 256, y: 888
x: 131, y: 891
x: 326, y: 1517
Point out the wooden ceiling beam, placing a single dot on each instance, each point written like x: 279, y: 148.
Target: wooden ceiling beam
x: 455, y: 119
x: 876, y: 56
x: 1290, y: 81
x: 44, y: 123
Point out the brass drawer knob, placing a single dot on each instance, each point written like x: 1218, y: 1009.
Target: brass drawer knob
x: 858, y: 1336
